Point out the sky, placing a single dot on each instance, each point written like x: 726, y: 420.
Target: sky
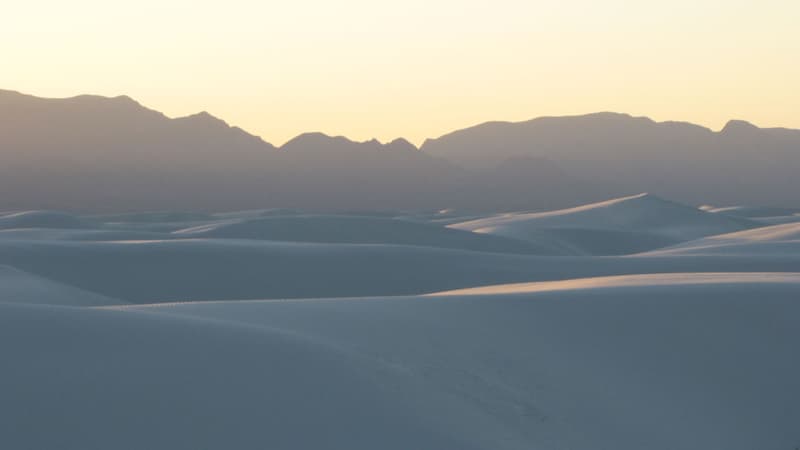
x: 412, y: 68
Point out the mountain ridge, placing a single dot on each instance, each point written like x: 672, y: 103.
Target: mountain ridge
x: 730, y: 124
x: 106, y: 153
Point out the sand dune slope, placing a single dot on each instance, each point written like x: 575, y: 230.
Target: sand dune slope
x: 778, y: 240
x: 625, y: 225
x: 41, y: 219
x: 109, y: 380
x: 360, y: 230
x: 179, y: 270
x: 629, y: 363
x: 17, y: 286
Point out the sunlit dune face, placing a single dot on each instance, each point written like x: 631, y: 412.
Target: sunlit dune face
x: 622, y: 281
x: 416, y: 68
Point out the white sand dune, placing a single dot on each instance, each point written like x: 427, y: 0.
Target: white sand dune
x: 96, y: 380
x: 214, y: 269
x: 778, y: 220
x: 783, y: 239
x: 60, y: 234
x: 784, y: 232
x: 158, y: 217
x: 751, y: 211
x: 761, y: 214
x: 41, y: 219
x: 17, y: 286
x: 791, y: 279
x: 690, y: 361
x: 360, y: 230
x: 620, y: 226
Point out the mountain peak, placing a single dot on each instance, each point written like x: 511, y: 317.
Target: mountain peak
x: 203, y: 119
x: 119, y: 99
x: 314, y: 140
x: 401, y: 144
x: 738, y: 126
x: 124, y: 99
x: 204, y: 115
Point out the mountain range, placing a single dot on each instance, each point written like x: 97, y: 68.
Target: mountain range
x: 96, y: 153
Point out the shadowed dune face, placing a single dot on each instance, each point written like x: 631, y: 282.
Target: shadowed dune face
x: 361, y: 230
x: 264, y: 388
x: 17, y: 286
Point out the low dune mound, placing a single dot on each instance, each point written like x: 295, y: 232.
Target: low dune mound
x: 224, y: 269
x: 362, y: 230
x: 783, y: 239
x: 790, y: 280
x: 752, y: 211
x: 17, y: 286
x: 660, y: 363
x: 123, y: 380
x: 783, y: 232
x: 153, y: 217
x: 212, y: 269
x: 620, y: 226
x: 60, y: 234
x: 41, y: 219
x: 778, y: 220
x: 776, y: 249
x: 256, y: 213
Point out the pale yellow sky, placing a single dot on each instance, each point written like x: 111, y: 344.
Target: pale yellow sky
x: 412, y: 68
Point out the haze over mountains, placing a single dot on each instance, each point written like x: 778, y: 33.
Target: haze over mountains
x: 97, y: 153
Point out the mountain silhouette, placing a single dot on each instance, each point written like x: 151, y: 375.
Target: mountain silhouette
x: 739, y: 164
x: 97, y: 153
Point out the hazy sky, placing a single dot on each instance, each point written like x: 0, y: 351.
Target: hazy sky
x: 413, y: 68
